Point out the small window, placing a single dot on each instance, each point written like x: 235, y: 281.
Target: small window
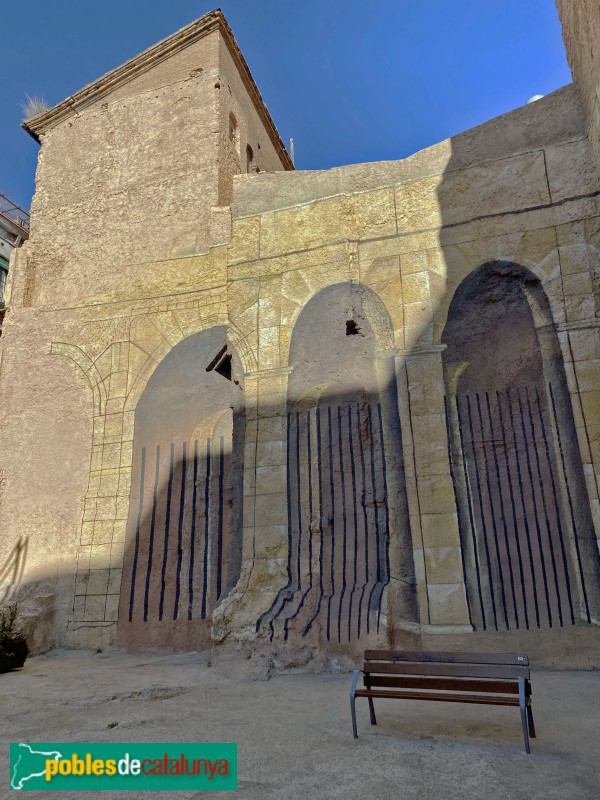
x: 249, y: 159
x: 233, y: 129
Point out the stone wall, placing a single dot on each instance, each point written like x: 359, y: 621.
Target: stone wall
x: 323, y: 340
x: 581, y: 32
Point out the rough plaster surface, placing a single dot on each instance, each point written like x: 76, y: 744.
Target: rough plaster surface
x: 293, y: 731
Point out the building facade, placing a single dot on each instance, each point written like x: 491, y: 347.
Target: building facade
x: 14, y: 230
x: 303, y: 411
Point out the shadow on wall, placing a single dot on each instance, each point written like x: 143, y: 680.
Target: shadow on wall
x: 11, y: 572
x: 345, y: 478
x: 183, y: 545
x: 528, y: 547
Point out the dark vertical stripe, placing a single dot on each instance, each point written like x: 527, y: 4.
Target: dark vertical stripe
x: 482, y: 514
x: 513, y: 510
x: 557, y: 509
x: 193, y: 534
x: 471, y: 513
x: 206, y: 530
x: 355, y: 520
x: 385, y: 542
x: 320, y: 485
x: 298, y: 505
x: 137, y: 534
x: 376, y: 513
x: 502, y: 512
x: 152, y: 524
x: 180, y: 531
x: 535, y: 511
x: 524, y: 507
x: 461, y: 522
x: 332, y: 495
x: 219, y: 564
x: 571, y: 509
x: 163, y: 574
x: 308, y: 527
x: 344, y: 520
x: 365, y: 515
x: 544, y: 508
x: 493, y: 512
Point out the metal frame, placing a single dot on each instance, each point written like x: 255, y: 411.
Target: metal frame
x: 527, y: 722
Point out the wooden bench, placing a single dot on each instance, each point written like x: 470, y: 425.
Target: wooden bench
x: 500, y: 679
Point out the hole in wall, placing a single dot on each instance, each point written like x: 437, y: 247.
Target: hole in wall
x: 221, y: 364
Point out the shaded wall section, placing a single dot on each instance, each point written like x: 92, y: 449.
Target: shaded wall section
x: 183, y: 544
x: 529, y: 562
x: 345, y: 487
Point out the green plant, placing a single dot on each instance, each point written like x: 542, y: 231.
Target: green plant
x: 33, y: 105
x: 13, y: 645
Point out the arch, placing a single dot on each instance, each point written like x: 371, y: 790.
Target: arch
x: 88, y: 367
x: 183, y: 545
x: 526, y: 530
x: 348, y: 527
x: 154, y: 336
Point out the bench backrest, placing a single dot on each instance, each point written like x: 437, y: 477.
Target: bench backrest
x: 471, y: 672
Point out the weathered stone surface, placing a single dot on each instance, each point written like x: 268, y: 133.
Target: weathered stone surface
x: 336, y: 465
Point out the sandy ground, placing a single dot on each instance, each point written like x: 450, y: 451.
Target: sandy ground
x: 293, y: 731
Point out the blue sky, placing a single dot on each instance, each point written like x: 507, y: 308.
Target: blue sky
x: 350, y: 81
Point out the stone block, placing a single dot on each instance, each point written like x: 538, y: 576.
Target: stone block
x: 97, y: 582
x: 111, y: 612
x: 440, y: 530
x: 436, y: 498
x: 94, y: 608
x: 245, y: 237
x: 109, y: 483
x: 588, y: 375
x: 271, y: 509
x: 269, y: 313
x: 415, y: 289
x: 447, y: 604
x: 429, y: 428
x: 270, y: 454
x: 578, y: 285
x: 443, y: 564
x: 271, y: 480
x: 271, y: 541
x: 416, y: 314
x: 585, y: 344
x: 114, y: 581
x: 103, y: 532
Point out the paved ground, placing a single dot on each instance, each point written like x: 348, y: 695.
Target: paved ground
x: 293, y: 731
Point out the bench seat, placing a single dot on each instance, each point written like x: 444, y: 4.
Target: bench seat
x: 500, y: 679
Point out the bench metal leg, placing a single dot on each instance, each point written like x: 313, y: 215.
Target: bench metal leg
x: 530, y: 722
x: 372, y: 711
x: 355, y: 678
x: 524, y: 714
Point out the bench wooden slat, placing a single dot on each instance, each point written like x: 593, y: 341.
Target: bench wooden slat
x: 447, y: 684
x: 516, y: 659
x: 447, y: 670
x: 492, y: 699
